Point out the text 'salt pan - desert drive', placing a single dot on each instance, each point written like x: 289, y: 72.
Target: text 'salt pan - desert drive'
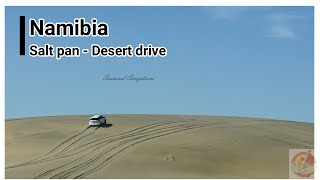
x: 159, y: 92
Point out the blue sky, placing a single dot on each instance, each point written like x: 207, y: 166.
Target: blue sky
x: 230, y: 61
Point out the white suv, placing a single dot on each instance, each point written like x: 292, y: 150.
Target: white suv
x: 97, y: 120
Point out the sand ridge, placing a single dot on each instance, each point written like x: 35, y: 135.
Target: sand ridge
x: 152, y: 146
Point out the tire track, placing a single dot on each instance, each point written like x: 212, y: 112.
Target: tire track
x: 77, y: 140
x: 118, y: 144
x: 59, y: 155
x: 67, y: 140
x: 79, y: 167
x: 77, y: 137
x: 96, y: 157
x: 56, y: 157
x: 99, y: 166
x: 97, y: 140
x: 127, y: 134
x: 126, y: 147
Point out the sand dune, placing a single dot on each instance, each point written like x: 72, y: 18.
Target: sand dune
x: 152, y: 146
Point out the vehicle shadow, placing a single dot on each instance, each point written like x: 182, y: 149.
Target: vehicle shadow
x: 105, y: 125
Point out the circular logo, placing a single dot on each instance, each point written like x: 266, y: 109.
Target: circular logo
x: 302, y: 164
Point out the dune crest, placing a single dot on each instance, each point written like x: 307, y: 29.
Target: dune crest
x: 152, y: 146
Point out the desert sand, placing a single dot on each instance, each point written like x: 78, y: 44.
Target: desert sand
x: 152, y: 146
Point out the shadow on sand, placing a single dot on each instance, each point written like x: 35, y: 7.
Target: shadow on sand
x: 105, y: 125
